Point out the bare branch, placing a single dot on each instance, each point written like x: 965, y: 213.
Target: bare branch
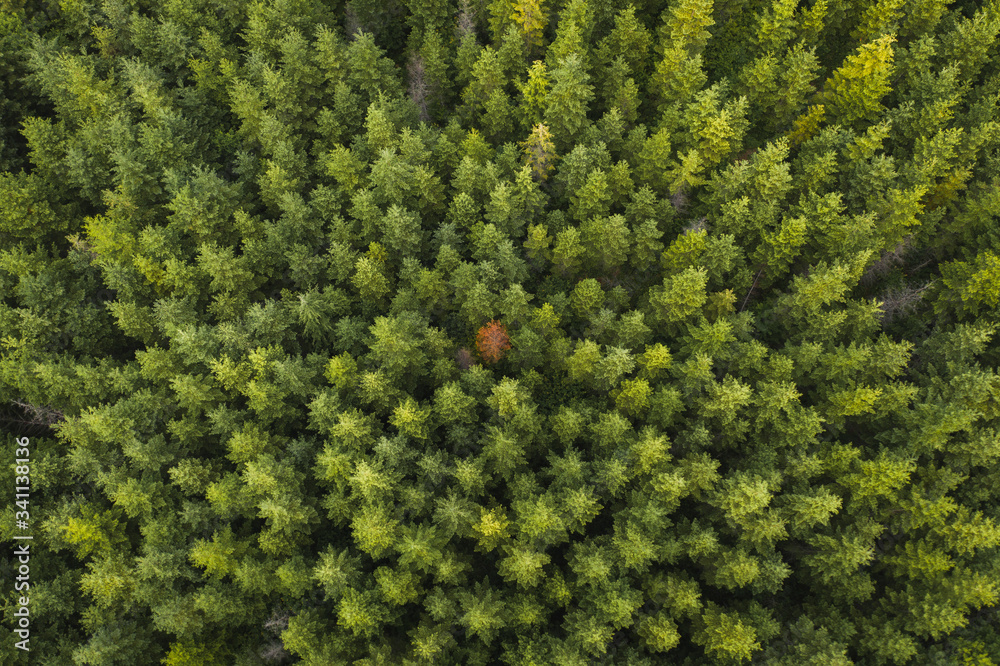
x: 679, y: 200
x: 275, y: 653
x: 41, y: 415
x: 418, y: 85
x: 464, y: 359
x: 701, y: 224
x: 750, y: 291
x: 351, y: 23
x: 466, y: 20
x: 886, y: 262
x: 901, y: 300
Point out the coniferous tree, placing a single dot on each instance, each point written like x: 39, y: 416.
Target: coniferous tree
x: 503, y: 331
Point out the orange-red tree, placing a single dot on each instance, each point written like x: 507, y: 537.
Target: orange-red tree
x: 492, y: 341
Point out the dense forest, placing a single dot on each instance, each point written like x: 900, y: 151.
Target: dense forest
x: 520, y: 332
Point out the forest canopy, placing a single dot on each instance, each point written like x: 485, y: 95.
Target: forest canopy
x: 474, y: 332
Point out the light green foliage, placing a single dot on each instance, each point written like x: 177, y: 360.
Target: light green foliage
x: 633, y: 396
x: 725, y: 636
x: 654, y: 161
x: 608, y: 242
x: 569, y: 99
x: 973, y: 285
x: 92, y: 532
x: 780, y: 87
x: 775, y: 26
x: 740, y: 260
x: 878, y: 19
x: 487, y: 78
x: 685, y: 25
x: 531, y: 18
x: 534, y: 95
x: 855, y: 90
x: 592, y: 199
x: 581, y: 364
x: 411, y: 420
x: 685, y: 252
x: 677, y: 77
x: 587, y: 296
x: 568, y: 251
x: 780, y: 248
x: 680, y: 296
x: 540, y: 151
x: 573, y: 35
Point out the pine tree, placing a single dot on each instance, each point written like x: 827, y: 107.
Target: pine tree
x: 855, y: 90
x: 510, y: 331
x: 531, y: 19
x: 568, y: 102
x: 540, y: 151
